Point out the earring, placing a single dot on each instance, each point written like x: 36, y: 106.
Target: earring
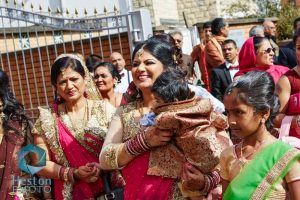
x: 263, y: 121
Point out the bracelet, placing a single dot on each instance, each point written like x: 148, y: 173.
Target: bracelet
x: 137, y: 144
x: 71, y: 175
x: 66, y: 174
x: 61, y: 173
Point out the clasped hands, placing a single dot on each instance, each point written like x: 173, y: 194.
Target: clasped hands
x: 88, y: 173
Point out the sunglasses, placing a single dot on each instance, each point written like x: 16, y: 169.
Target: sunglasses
x: 268, y: 50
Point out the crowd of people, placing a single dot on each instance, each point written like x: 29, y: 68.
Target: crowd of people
x: 149, y: 131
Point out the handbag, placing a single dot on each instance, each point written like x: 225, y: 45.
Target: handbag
x: 109, y: 193
x: 294, y: 104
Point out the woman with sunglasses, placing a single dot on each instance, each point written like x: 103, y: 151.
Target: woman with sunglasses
x: 257, y: 54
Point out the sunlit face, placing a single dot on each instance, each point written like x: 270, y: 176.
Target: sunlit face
x: 117, y: 60
x: 207, y: 33
x: 145, y: 69
x: 225, y: 30
x: 265, y: 54
x: 242, y: 119
x: 229, y: 52
x: 270, y: 28
x: 178, y: 40
x: 104, y: 79
x: 297, y: 49
x: 70, y: 85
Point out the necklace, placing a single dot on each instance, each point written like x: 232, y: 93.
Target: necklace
x: 243, y: 158
x: 79, y: 125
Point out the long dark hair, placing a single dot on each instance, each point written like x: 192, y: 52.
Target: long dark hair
x: 257, y: 89
x: 12, y: 109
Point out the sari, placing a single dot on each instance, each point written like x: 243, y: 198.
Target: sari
x: 74, y: 148
x: 140, y: 185
x: 247, y: 62
x: 259, y: 177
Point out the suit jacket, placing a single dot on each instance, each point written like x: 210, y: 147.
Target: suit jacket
x: 220, y: 81
x: 287, y: 56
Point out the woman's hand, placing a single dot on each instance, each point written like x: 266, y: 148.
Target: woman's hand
x: 192, y: 178
x: 156, y: 137
x: 86, y: 174
x: 96, y: 168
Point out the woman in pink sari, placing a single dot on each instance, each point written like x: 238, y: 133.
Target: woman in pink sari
x: 128, y: 146
x: 257, y: 54
x: 72, y: 132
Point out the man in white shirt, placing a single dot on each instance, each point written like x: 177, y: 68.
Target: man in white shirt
x: 223, y: 75
x: 118, y: 61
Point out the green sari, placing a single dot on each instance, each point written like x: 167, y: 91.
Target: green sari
x: 260, y: 175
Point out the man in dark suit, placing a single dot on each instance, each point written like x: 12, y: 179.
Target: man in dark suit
x: 287, y: 53
x: 223, y: 75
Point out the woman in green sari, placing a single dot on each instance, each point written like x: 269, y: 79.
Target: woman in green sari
x: 260, y: 167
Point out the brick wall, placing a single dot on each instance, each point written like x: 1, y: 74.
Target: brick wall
x: 29, y: 77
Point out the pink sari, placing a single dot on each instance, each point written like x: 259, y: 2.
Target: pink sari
x: 140, y: 186
x: 77, y: 155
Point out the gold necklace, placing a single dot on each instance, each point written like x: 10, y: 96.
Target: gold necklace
x: 79, y: 127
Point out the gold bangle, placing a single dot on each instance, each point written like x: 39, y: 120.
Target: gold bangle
x: 66, y: 174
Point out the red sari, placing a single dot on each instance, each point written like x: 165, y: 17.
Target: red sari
x: 74, y: 150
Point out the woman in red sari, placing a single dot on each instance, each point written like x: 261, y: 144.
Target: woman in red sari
x: 72, y: 132
x: 257, y: 54
x: 128, y: 146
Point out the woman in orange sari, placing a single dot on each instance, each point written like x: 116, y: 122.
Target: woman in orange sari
x: 72, y: 132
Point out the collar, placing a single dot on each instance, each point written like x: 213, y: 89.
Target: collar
x: 228, y: 64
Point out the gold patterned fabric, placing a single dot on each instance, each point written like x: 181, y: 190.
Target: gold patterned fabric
x: 200, y: 137
x: 97, y: 126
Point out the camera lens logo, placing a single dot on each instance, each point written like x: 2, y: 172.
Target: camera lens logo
x: 30, y: 148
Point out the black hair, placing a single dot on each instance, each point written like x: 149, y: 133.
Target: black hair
x: 62, y: 64
x: 206, y: 25
x: 228, y: 41
x: 217, y: 24
x: 12, y: 109
x: 257, y: 41
x: 257, y: 89
x: 295, y: 37
x: 91, y: 60
x: 160, y: 49
x: 171, y: 86
x: 111, y: 68
x: 295, y: 22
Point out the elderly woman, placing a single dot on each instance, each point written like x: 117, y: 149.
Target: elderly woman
x: 127, y: 146
x: 106, y: 77
x: 257, y: 54
x: 72, y: 132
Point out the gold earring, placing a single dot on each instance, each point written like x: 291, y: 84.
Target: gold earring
x: 263, y: 120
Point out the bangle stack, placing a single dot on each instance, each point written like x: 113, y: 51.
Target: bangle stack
x: 137, y: 144
x: 66, y: 174
x: 211, y: 181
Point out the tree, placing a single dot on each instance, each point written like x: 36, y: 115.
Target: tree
x: 265, y: 8
x: 285, y: 22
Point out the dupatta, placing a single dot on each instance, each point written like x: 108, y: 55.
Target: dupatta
x: 259, y: 176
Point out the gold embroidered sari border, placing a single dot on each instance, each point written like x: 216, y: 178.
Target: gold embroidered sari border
x: 272, y: 175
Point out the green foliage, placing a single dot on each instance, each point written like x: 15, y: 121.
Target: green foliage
x: 285, y: 22
x: 266, y: 8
